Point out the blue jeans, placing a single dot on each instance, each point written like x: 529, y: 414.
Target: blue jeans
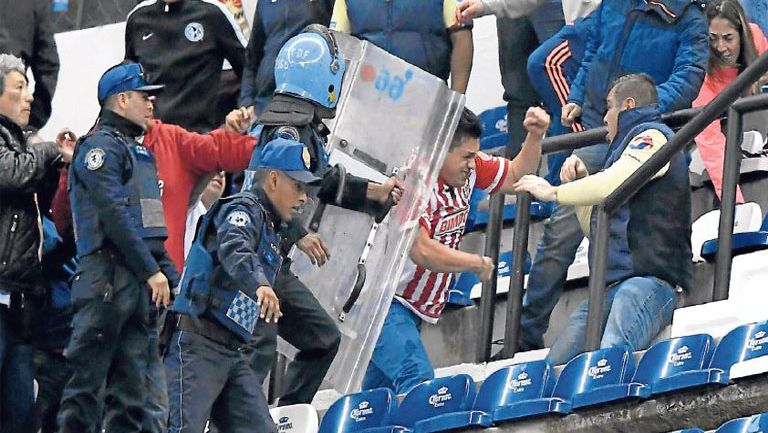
x: 208, y: 380
x: 399, y: 360
x: 757, y: 12
x: 635, y: 311
x: 561, y: 239
x: 16, y: 375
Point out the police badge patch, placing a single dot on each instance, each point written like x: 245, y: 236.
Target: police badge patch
x: 94, y: 159
x: 239, y: 218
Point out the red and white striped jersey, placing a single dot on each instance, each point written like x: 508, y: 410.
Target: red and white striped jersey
x: 423, y: 291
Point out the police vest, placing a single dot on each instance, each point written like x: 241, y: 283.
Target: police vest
x: 143, y: 201
x: 228, y: 302
x: 651, y: 234
x: 413, y: 30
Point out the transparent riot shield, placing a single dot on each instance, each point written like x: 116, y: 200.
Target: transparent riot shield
x: 392, y: 117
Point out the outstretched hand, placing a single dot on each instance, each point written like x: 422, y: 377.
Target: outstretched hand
x: 239, y: 120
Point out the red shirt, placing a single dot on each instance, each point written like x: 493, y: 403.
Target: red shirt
x: 184, y: 158
x: 423, y: 291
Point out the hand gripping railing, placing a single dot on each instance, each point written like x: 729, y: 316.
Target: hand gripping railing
x: 693, y: 121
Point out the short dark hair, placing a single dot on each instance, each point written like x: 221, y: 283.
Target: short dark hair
x: 469, y: 127
x: 639, y: 87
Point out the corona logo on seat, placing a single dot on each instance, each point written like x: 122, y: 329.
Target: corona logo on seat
x: 519, y: 384
x: 758, y: 341
x: 683, y: 354
x: 284, y: 424
x: 598, y: 371
x: 439, y: 399
x: 361, y: 412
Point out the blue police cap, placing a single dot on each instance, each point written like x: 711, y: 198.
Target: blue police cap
x: 289, y: 156
x: 122, y: 78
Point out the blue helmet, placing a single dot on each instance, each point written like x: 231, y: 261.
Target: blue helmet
x: 311, y: 67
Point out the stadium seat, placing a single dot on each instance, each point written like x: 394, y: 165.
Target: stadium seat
x: 441, y: 404
x: 599, y: 376
x: 461, y: 292
x: 539, y: 211
x: 744, y: 241
x: 520, y: 391
x: 750, y: 424
x: 580, y: 267
x: 744, y: 343
x: 494, y: 123
x: 367, y: 411
x: 296, y: 418
x: 748, y: 218
x: 676, y: 363
x: 689, y: 430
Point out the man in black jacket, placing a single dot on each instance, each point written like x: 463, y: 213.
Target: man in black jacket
x: 183, y: 44
x: 22, y: 170
x: 27, y: 32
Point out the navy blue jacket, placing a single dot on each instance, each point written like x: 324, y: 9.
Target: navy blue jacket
x: 273, y: 24
x: 650, y: 236
x: 667, y: 39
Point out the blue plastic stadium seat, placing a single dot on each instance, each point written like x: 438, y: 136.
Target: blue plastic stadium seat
x: 751, y: 424
x: 538, y: 211
x: 441, y: 404
x: 364, y: 412
x: 743, y: 243
x: 494, y: 123
x: 676, y: 363
x: 689, y: 430
x: 741, y: 344
x: 520, y: 391
x: 460, y: 293
x: 598, y: 377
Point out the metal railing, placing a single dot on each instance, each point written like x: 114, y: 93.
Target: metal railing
x: 691, y: 122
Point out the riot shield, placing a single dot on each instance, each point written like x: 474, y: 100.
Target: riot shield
x: 391, y: 117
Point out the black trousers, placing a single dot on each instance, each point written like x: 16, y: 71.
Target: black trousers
x: 307, y: 327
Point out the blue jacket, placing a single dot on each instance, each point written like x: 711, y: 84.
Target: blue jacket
x: 413, y: 30
x: 650, y: 236
x: 273, y: 24
x: 666, y: 39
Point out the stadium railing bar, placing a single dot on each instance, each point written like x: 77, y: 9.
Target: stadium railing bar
x: 691, y: 122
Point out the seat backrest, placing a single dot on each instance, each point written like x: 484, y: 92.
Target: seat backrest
x: 592, y: 370
x: 494, y: 123
x: 749, y: 424
x: 355, y: 412
x: 436, y: 397
x: 297, y: 418
x: 741, y: 344
x: 676, y: 355
x: 747, y: 218
x: 689, y: 430
x: 516, y: 383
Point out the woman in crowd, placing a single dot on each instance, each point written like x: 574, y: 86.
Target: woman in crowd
x: 734, y: 44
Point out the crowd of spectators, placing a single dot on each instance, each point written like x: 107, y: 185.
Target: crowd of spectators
x: 619, y: 63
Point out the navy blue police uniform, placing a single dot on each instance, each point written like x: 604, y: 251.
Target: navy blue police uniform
x: 119, y: 230
x: 208, y: 362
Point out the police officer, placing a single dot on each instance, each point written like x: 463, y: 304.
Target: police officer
x: 120, y: 229
x: 307, y: 92
x: 227, y: 287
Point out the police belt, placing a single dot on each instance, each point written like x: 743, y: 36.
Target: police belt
x: 209, y: 329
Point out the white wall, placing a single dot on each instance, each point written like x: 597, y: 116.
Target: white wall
x: 86, y: 54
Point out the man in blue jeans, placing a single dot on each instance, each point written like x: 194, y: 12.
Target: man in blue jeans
x: 623, y: 35
x: 649, y: 250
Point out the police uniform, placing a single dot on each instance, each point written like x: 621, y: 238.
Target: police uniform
x: 120, y: 230
x: 306, y: 93
x: 236, y: 251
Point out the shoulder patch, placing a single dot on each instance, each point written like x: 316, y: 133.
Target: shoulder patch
x: 239, y: 218
x: 288, y: 132
x: 94, y: 159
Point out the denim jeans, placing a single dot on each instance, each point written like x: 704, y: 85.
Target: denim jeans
x: 207, y: 380
x: 156, y: 404
x: 399, y: 360
x: 635, y: 311
x: 556, y: 250
x: 16, y: 375
x: 757, y: 12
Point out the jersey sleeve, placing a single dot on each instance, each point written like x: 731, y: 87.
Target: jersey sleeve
x: 340, y: 18
x: 491, y: 172
x: 425, y: 220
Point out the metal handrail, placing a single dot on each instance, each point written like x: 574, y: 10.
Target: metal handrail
x: 693, y: 121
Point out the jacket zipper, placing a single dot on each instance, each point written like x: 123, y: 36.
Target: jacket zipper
x: 9, y: 241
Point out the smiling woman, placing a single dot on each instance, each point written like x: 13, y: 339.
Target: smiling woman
x: 733, y: 45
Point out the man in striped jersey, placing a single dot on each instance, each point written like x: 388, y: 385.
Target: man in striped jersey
x: 400, y: 361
